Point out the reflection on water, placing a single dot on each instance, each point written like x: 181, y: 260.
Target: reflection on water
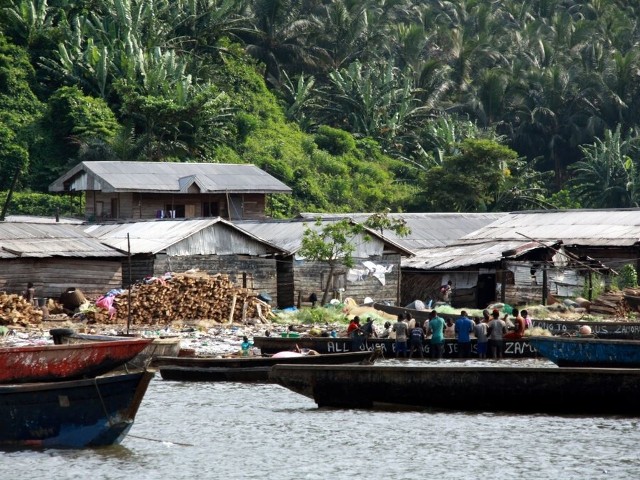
x: 263, y: 431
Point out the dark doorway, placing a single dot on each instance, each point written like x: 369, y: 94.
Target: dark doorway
x: 284, y: 272
x: 486, y: 289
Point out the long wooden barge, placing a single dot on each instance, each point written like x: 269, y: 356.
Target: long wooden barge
x: 533, y: 390
x: 270, y: 345
x: 589, y: 352
x: 604, y: 329
x: 243, y: 369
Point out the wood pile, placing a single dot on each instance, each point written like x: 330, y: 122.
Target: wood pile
x: 632, y: 297
x: 189, y: 296
x: 16, y: 310
x: 610, y: 303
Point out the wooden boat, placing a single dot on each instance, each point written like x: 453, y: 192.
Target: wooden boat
x: 589, y: 352
x: 75, y: 414
x: 243, y: 369
x: 531, y: 389
x: 44, y: 363
x: 270, y: 345
x: 161, y: 346
x: 614, y: 330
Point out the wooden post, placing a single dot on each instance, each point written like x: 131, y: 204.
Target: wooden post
x: 129, y: 289
x: 590, y: 286
x: 544, y: 284
x: 299, y: 302
x: 233, y: 307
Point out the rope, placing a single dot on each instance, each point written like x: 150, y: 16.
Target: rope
x: 104, y: 408
x: 160, y: 441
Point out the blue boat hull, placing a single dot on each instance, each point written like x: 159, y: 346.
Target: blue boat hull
x: 72, y: 414
x: 588, y: 352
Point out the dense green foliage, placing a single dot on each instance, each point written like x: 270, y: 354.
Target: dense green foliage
x: 358, y: 105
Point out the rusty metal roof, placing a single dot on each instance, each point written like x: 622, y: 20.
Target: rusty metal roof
x: 42, y: 240
x: 467, y: 254
x: 614, y: 228
x: 427, y: 229
x: 167, y: 177
x: 211, y: 236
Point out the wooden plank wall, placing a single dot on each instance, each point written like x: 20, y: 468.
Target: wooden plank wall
x: 53, y: 276
x: 258, y: 274
x: 419, y: 286
x: 309, y: 277
x: 286, y: 291
x: 145, y: 205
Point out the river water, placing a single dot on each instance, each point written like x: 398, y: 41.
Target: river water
x: 262, y: 431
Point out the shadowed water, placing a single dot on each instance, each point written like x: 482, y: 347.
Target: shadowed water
x: 236, y: 431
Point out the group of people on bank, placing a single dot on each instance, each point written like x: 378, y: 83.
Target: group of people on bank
x: 411, y: 334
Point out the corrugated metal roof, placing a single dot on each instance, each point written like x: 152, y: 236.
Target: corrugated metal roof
x: 287, y: 234
x: 181, y: 237
x: 38, y: 219
x: 466, y: 254
x: 572, y: 227
x: 427, y: 229
x: 40, y: 240
x: 168, y: 177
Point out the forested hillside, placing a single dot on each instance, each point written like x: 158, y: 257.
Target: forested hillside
x: 358, y: 105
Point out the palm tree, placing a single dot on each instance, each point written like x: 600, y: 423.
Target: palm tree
x: 607, y: 176
x: 279, y: 39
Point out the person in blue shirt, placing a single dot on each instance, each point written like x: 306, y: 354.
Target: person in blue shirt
x: 245, y: 346
x: 436, y: 328
x: 463, y: 328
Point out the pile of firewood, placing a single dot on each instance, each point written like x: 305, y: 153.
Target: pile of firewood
x: 16, y: 310
x: 189, y: 296
x: 609, y: 303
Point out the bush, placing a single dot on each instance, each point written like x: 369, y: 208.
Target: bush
x: 334, y: 140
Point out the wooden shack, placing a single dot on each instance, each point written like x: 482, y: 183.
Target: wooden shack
x: 376, y: 273
x: 56, y: 257
x: 153, y: 247
x: 528, y: 257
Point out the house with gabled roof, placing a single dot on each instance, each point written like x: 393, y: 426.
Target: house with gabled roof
x: 376, y: 273
x: 213, y: 245
x: 116, y: 190
x: 55, y: 257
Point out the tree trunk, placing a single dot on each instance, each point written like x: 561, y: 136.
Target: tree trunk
x: 327, y: 285
x: 5, y: 207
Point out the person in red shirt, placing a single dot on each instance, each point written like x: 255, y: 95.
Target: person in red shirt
x: 520, y: 326
x: 354, y: 326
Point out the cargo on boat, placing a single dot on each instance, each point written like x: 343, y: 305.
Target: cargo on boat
x: 491, y: 388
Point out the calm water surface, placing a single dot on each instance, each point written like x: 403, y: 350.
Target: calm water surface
x: 229, y: 431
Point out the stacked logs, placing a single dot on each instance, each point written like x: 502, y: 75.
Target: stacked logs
x: 609, y: 304
x: 16, y: 310
x: 189, y: 296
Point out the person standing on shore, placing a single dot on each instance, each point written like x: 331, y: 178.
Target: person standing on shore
x: 464, y: 328
x: 400, y: 329
x: 497, y: 328
x: 436, y: 328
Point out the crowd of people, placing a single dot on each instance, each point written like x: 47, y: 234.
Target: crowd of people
x: 411, y: 335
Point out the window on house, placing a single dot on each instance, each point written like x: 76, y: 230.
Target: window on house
x: 175, y: 211
x: 210, y: 209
